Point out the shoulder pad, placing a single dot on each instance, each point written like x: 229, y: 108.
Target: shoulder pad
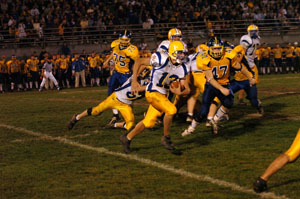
x: 230, y: 55
x: 158, y: 59
x: 238, y: 49
x: 245, y: 41
x: 164, y: 46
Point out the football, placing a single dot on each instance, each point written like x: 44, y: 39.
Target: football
x: 175, y: 84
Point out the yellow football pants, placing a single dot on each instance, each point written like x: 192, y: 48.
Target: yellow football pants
x: 112, y: 102
x: 294, y: 151
x: 159, y: 104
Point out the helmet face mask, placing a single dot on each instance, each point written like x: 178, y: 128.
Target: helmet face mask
x: 177, y: 52
x: 253, y: 31
x: 216, y: 48
x: 124, y: 39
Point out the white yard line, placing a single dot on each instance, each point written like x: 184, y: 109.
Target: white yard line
x: 162, y: 166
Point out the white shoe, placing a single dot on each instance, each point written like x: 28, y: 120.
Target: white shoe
x: 207, y: 124
x: 188, y: 131
x: 214, y: 126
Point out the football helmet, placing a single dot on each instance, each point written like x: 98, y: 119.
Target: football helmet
x: 177, y: 52
x: 252, y: 31
x: 124, y: 39
x: 215, y: 47
x: 174, y: 34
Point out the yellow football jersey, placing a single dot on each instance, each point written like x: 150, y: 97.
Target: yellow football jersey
x: 32, y: 64
x: 277, y: 52
x: 289, y: 52
x: 266, y: 53
x: 297, y: 52
x: 93, y: 61
x: 220, y: 68
x: 63, y: 63
x: 14, y: 66
x: 124, y: 59
x: 3, y: 66
x: 258, y: 53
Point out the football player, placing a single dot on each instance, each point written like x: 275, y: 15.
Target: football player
x: 3, y: 74
x: 277, y: 54
x: 239, y: 82
x: 121, y: 99
x: 250, y: 43
x: 297, y: 57
x: 33, y: 67
x: 216, y: 64
x: 260, y: 184
x: 289, y: 50
x: 94, y: 62
x: 173, y: 35
x: 167, y: 68
x: 63, y: 70
x: 14, y: 70
x: 124, y: 55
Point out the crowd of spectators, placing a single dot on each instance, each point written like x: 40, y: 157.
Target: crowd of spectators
x: 32, y: 17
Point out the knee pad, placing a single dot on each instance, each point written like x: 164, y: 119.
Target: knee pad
x: 89, y: 111
x: 129, y: 125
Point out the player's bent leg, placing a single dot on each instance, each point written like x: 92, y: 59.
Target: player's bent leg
x: 127, y: 114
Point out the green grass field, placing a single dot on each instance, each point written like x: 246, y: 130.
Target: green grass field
x: 40, y: 158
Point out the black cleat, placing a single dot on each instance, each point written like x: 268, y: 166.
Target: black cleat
x: 125, y: 143
x: 72, y: 122
x: 260, y: 185
x: 111, y: 124
x: 167, y: 143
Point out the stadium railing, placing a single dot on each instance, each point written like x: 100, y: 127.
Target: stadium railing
x: 106, y: 34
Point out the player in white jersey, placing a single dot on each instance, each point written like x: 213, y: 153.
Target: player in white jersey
x: 121, y: 99
x: 173, y: 35
x: 250, y: 43
x: 167, y: 68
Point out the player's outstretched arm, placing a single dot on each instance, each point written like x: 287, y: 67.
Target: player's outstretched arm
x: 105, y: 64
x: 136, y: 69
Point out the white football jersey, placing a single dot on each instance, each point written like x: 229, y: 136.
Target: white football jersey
x: 191, y: 63
x: 251, y: 46
x: 124, y: 92
x: 164, y: 46
x: 164, y: 73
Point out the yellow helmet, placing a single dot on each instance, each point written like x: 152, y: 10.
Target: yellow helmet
x: 202, y: 47
x: 252, y: 31
x: 114, y: 44
x: 174, y: 32
x: 177, y: 51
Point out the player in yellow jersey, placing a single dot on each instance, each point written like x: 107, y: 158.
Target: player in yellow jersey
x: 63, y: 66
x: 289, y: 57
x: 277, y: 54
x: 32, y: 65
x: 216, y: 64
x: 94, y: 62
x: 3, y: 74
x: 124, y: 55
x: 14, y: 70
x: 296, y: 57
x: 266, y: 62
x: 291, y: 155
